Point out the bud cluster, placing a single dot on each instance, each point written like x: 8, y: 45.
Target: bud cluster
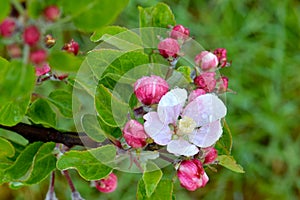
x: 15, y: 27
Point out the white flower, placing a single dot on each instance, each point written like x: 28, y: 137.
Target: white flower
x: 183, y: 130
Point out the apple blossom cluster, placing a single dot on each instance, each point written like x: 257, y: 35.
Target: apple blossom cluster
x: 187, y: 122
x: 25, y: 39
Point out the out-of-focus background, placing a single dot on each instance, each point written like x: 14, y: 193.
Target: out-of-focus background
x: 263, y: 41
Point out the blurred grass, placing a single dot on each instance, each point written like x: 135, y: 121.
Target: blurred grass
x: 263, y: 40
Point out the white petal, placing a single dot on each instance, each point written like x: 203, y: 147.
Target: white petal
x: 182, y: 147
x: 207, y: 135
x: 205, y: 109
x: 170, y: 105
x: 159, y: 132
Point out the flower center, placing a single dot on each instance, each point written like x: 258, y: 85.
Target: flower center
x: 186, y: 125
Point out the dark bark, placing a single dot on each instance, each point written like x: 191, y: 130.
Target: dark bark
x: 35, y: 133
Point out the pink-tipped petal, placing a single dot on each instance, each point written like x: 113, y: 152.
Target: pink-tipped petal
x: 159, y: 132
x: 170, y: 105
x: 207, y: 135
x: 205, y: 109
x: 182, y: 147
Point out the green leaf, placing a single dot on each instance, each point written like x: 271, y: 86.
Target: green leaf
x: 44, y: 163
x: 40, y: 112
x: 89, y: 164
x: 16, y: 85
x: 92, y: 127
x: 164, y: 191
x: 151, y: 178
x: 186, y: 71
x: 5, y: 8
x: 109, y: 30
x: 64, y: 61
x: 91, y: 15
x: 111, y: 109
x: 224, y: 145
x: 230, y: 163
x: 6, y: 148
x: 159, y: 15
x: 14, y: 137
x: 62, y: 99
x: 23, y: 163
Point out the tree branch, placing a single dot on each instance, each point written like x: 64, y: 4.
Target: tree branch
x: 35, y: 133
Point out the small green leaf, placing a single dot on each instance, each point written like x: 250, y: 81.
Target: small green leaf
x: 5, y: 8
x: 164, y: 191
x: 14, y: 137
x: 151, y: 178
x: 224, y: 145
x: 89, y: 164
x: 111, y: 109
x: 159, y: 15
x: 64, y: 61
x: 90, y: 15
x: 44, y: 163
x: 40, y: 112
x: 109, y: 30
x: 62, y: 99
x: 6, y: 148
x: 230, y: 163
x: 16, y: 85
x: 92, y: 127
x: 186, y: 71
x: 23, y: 163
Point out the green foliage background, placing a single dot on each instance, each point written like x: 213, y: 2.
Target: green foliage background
x: 262, y: 39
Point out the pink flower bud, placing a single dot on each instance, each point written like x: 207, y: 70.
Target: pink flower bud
x: 221, y: 55
x: 7, y: 27
x: 31, y: 35
x: 149, y: 90
x: 71, y: 47
x: 206, y: 81
x: 192, y: 175
x: 44, y: 69
x: 14, y: 50
x: 51, y: 13
x: 180, y: 32
x: 108, y: 184
x: 223, y: 84
x: 37, y: 57
x: 196, y: 93
x: 134, y: 134
x: 206, y: 60
x: 169, y: 48
x: 210, y: 155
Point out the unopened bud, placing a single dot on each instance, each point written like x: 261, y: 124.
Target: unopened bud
x: 7, y: 27
x: 206, y: 60
x: 223, y: 84
x: 196, y: 93
x: 31, y: 35
x: 180, y: 32
x: 221, y: 55
x: 51, y: 13
x: 149, y: 90
x: 192, y: 175
x: 206, y: 81
x: 38, y: 57
x: 108, y: 184
x: 210, y: 155
x: 169, y: 48
x: 71, y: 47
x: 44, y: 69
x: 134, y: 134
